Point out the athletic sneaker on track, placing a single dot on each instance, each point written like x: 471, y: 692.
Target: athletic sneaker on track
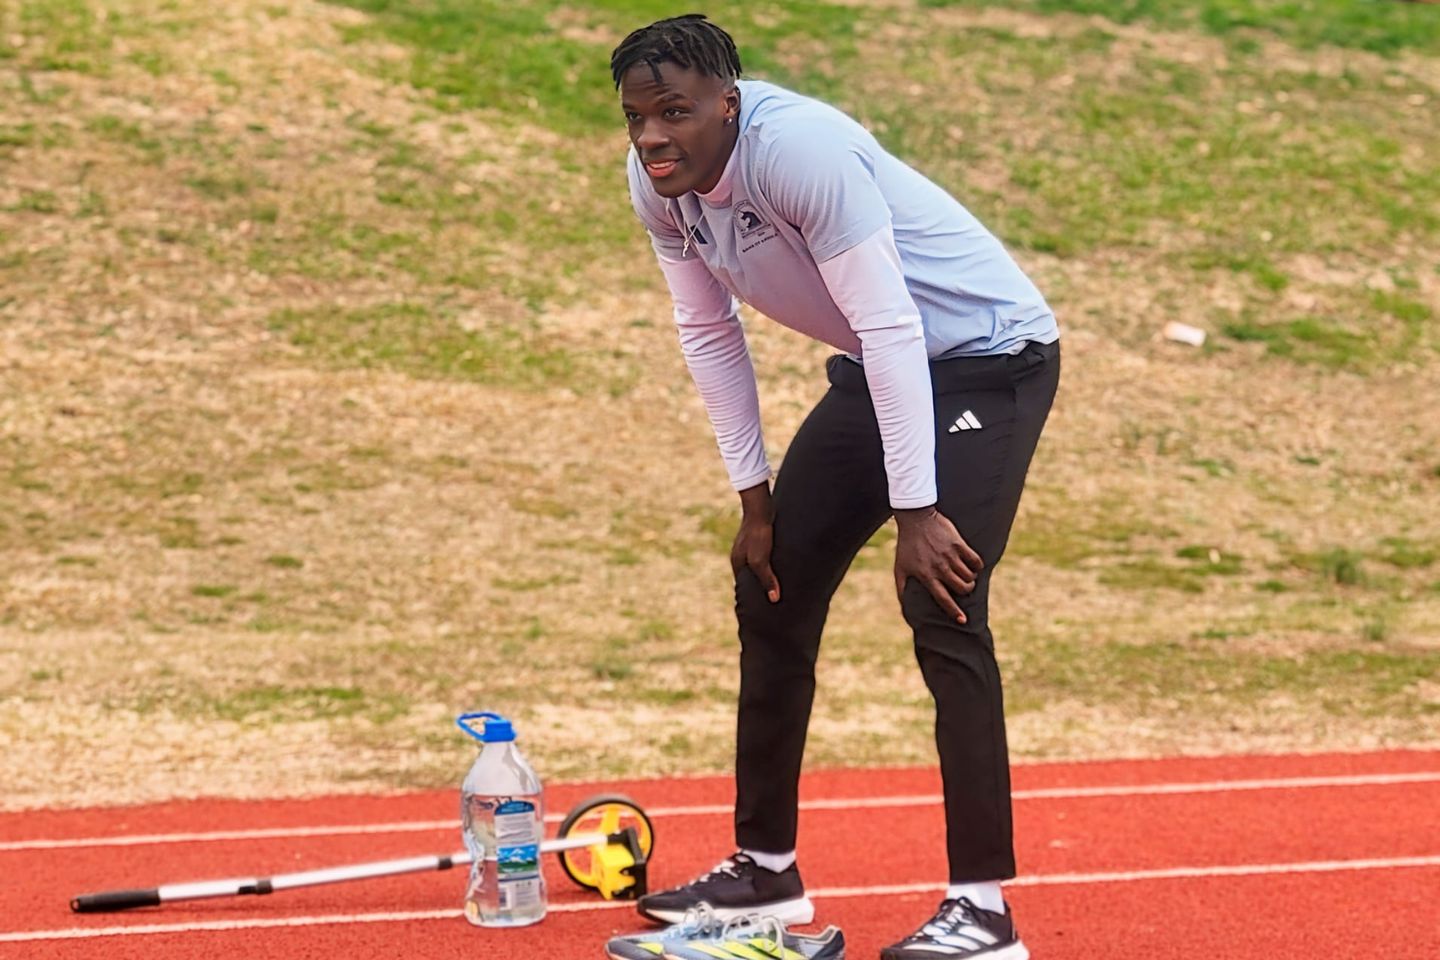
x: 699, y: 922
x: 738, y: 886
x: 961, y: 931
x: 752, y: 937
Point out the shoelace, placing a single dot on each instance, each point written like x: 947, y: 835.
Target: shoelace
x: 726, y: 869
x: 754, y: 926
x: 952, y: 915
x: 699, y: 920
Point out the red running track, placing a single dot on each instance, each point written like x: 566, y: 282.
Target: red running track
x: 1328, y: 856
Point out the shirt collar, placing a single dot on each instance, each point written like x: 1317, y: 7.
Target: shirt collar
x: 720, y: 195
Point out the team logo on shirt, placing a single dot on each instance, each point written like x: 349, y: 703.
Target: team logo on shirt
x: 748, y: 221
x: 753, y: 228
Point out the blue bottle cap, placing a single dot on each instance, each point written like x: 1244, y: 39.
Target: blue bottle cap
x: 496, y: 728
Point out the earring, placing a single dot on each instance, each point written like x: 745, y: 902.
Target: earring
x: 729, y: 120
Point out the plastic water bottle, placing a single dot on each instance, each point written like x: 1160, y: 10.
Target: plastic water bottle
x: 503, y: 822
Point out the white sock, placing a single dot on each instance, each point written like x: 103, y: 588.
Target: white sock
x: 774, y: 862
x: 986, y: 896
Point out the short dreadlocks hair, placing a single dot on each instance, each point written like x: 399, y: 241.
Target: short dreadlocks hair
x: 690, y: 41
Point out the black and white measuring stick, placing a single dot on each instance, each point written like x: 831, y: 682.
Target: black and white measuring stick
x: 112, y: 900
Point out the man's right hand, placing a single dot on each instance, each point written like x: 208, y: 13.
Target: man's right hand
x: 930, y: 550
x: 755, y: 539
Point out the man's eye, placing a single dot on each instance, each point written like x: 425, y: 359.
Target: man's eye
x: 631, y: 117
x: 674, y: 112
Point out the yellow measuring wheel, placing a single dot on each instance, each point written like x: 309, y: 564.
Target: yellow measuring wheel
x: 616, y: 868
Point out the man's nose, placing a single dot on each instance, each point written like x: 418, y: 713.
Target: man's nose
x: 652, y: 136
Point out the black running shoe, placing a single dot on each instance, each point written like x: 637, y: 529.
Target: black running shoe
x: 961, y: 931
x: 737, y: 887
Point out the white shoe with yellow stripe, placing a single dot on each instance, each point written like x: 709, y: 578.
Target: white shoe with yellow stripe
x: 700, y: 937
x: 699, y: 921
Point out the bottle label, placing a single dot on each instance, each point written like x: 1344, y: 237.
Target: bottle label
x: 517, y: 854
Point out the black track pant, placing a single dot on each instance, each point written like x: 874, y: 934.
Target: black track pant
x: 830, y: 496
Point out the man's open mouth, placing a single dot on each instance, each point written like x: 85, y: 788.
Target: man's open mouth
x: 660, y: 168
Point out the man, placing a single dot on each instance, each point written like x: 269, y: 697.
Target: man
x: 949, y: 364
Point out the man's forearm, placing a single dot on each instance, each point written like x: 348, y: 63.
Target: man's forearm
x: 868, y: 286
x: 719, y: 361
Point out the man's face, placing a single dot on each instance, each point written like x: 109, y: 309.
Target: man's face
x: 678, y: 125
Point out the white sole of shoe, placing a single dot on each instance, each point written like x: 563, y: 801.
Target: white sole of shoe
x: 1011, y: 951
x: 798, y: 912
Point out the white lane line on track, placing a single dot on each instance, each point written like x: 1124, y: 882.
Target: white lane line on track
x: 835, y: 803
x: 1043, y: 880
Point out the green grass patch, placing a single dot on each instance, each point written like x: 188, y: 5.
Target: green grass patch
x: 273, y: 703
x: 624, y: 557
x: 1309, y: 339
x: 333, y: 476
x: 219, y: 186
x: 543, y: 507
x: 1336, y: 565
x: 878, y: 553
x: 91, y: 38
x: 1384, y: 28
x: 716, y: 525
x: 1151, y: 574
x: 1407, y: 554
x: 531, y: 584
x: 1214, y: 467
x: 67, y: 35
x: 1210, y: 561
x: 1075, y: 534
x: 285, y: 562
x: 547, y: 61
x: 178, y: 533
x: 421, y: 341
x: 153, y: 63
x: 35, y: 201
x: 1412, y: 313
x: 1253, y: 262
x: 15, y: 135
x: 666, y: 696
x: 164, y: 484
x: 1173, y: 148
x: 118, y: 130
x: 612, y: 668
x: 1196, y: 673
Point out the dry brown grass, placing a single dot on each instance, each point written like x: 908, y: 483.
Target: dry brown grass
x: 231, y: 567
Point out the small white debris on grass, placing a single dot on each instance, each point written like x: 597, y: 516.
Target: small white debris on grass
x: 1183, y: 333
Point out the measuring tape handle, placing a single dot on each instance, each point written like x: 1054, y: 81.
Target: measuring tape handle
x: 115, y: 900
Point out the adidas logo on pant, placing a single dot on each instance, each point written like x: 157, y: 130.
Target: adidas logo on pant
x: 966, y: 421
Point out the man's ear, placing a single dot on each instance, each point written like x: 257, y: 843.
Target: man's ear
x: 732, y: 103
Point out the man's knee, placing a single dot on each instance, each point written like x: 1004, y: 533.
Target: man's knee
x: 922, y: 610
x: 783, y: 630
x: 750, y: 599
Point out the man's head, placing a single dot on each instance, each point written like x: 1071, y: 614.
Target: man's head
x: 676, y: 80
